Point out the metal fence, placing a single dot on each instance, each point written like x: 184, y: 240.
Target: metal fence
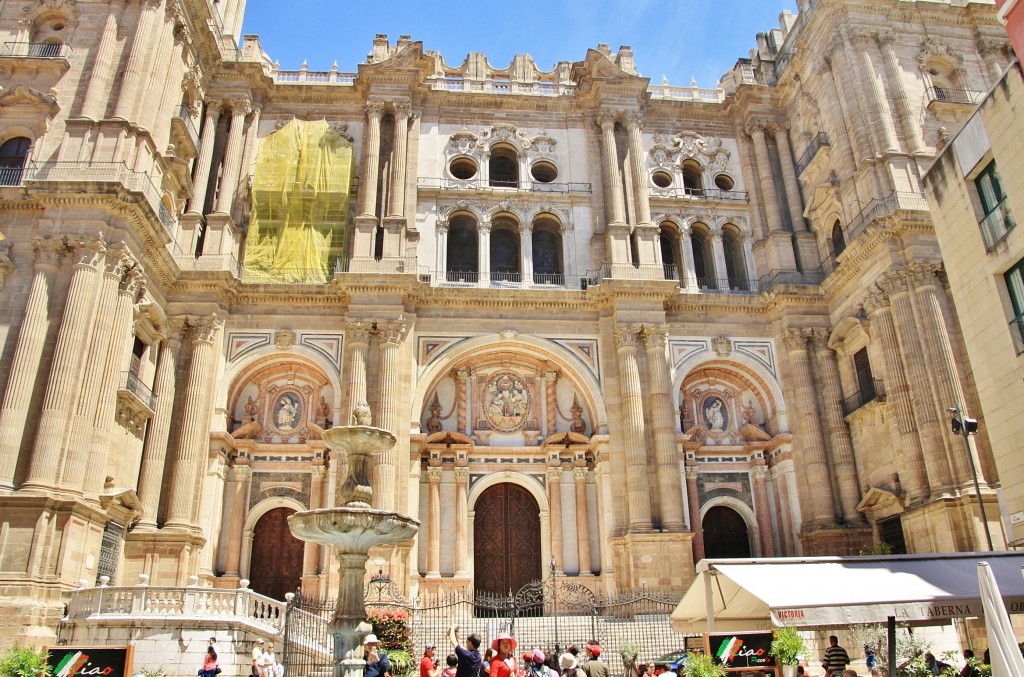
x: 547, y: 615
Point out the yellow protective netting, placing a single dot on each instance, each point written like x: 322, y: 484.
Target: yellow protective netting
x: 300, y: 200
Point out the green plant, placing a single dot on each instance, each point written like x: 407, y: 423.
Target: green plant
x: 23, y: 661
x: 401, y: 662
x: 392, y: 629
x: 702, y: 665
x: 152, y: 672
x: 908, y: 645
x: 787, y: 646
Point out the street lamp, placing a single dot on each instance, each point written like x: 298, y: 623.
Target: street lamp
x: 967, y: 427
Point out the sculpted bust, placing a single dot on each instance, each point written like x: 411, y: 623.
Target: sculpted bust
x: 361, y: 413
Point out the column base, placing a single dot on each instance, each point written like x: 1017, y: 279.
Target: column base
x: 834, y: 540
x: 168, y: 557
x: 653, y: 561
x: 222, y: 236
x: 778, y: 252
x: 807, y: 254
x: 953, y: 524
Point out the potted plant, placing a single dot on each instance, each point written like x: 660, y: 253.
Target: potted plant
x: 702, y: 665
x: 22, y: 661
x: 787, y: 647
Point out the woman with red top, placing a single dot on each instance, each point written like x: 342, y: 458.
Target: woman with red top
x: 504, y: 662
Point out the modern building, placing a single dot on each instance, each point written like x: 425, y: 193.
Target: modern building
x: 615, y: 325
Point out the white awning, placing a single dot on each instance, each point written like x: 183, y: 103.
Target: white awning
x: 826, y: 591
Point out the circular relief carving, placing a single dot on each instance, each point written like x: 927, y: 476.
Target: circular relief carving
x: 506, y: 402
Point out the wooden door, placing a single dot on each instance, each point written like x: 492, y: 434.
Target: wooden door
x: 725, y: 533
x: 275, y: 566
x: 506, y: 537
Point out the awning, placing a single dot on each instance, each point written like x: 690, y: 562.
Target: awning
x: 753, y: 594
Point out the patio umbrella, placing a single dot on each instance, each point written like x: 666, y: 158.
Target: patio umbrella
x: 1002, y: 645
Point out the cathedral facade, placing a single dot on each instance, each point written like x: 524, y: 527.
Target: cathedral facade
x: 616, y: 326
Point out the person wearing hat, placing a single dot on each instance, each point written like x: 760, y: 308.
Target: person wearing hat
x: 257, y: 658
x: 504, y: 662
x: 526, y: 666
x: 569, y: 665
x: 595, y: 667
x: 377, y: 663
x: 428, y: 666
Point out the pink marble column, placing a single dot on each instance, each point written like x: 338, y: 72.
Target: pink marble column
x: 241, y: 479
x: 461, y: 521
x: 694, y: 504
x: 154, y: 452
x: 554, y: 481
x: 663, y: 420
x: 579, y: 475
x: 434, y: 522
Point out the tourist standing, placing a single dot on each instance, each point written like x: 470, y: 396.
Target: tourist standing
x: 209, y: 668
x: 377, y: 663
x: 257, y: 658
x: 569, y: 665
x: 836, y: 658
x: 504, y: 662
x: 595, y: 667
x: 468, y: 657
x: 428, y: 666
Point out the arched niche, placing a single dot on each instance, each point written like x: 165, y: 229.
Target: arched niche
x: 736, y: 388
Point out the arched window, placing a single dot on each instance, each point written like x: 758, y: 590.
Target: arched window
x: 47, y: 38
x: 670, y: 259
x: 735, y: 261
x: 693, y: 181
x: 703, y: 258
x: 13, y: 153
x: 546, y: 241
x: 504, y: 167
x: 463, y: 265
x: 838, y: 239
x: 504, y: 250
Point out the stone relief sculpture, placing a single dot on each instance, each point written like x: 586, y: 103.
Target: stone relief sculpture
x: 361, y: 414
x: 287, y: 412
x: 506, y: 402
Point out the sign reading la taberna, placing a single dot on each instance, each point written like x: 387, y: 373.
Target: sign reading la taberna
x: 90, y: 661
x: 935, y: 610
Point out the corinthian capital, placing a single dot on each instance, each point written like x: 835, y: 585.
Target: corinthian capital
x: 49, y: 251
x: 794, y: 340
x: 392, y: 332
x: 358, y: 331
x: 655, y: 336
x: 605, y: 118
x: 205, y: 329
x: 634, y: 119
x: 625, y: 335
x: 403, y: 110
x: 240, y: 106
x: 374, y: 109
x: 90, y: 252
x: 861, y: 36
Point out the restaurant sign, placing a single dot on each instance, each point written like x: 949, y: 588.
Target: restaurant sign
x: 939, y: 610
x: 90, y: 661
x: 742, y: 649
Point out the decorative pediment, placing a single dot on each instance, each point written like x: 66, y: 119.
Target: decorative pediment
x: 931, y: 48
x: 66, y: 8
x: 24, y: 96
x: 464, y: 141
x: 708, y: 151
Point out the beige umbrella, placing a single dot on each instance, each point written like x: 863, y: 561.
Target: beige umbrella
x: 1002, y: 645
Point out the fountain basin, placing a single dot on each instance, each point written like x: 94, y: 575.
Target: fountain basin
x: 358, y: 439
x: 353, y: 529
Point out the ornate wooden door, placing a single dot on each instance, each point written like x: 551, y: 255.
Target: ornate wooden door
x: 275, y: 567
x: 506, y: 537
x: 725, y: 533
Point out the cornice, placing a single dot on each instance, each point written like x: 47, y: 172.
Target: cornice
x: 864, y: 246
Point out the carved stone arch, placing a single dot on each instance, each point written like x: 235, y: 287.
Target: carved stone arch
x: 505, y: 207
x: 542, y: 211
x: 670, y: 221
x: 745, y: 512
x: 43, y: 10
x: 449, y: 212
x: 737, y: 223
x: 505, y: 133
x: 849, y: 336
x: 761, y: 381
x: 253, y: 516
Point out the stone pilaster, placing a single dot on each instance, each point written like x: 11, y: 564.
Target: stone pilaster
x: 633, y: 428
x: 610, y: 158
x: 843, y: 464
x: 399, y: 161
x: 390, y: 335
x: 579, y: 475
x: 758, y: 476
x: 636, y: 156
x: 98, y: 89
x: 311, y: 550
x: 131, y: 80
x: 864, y: 44
x: 483, y: 230
x: 28, y: 353
x: 205, y: 160
x: 850, y: 102
x: 688, y: 277
x: 240, y: 108
x: 371, y: 160
x: 357, y: 333
x: 663, y: 421
x: 696, y: 525
x: 164, y: 69
x: 769, y: 197
x: 252, y: 142
x: 461, y: 521
x: 841, y: 116
x: 241, y: 479
x: 911, y: 130
x: 795, y: 202
x: 526, y: 252
x: 434, y: 522
x: 554, y: 482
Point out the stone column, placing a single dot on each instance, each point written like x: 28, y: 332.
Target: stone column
x: 633, y: 428
x: 400, y: 157
x: 241, y: 475
x: 863, y: 42
x: 610, y: 157
x: 842, y: 114
x: 849, y: 101
x: 205, y: 159
x: 789, y: 180
x: 371, y: 160
x: 911, y: 130
x: 688, y: 278
x: 461, y: 379
x: 526, y: 249
x: 131, y: 80
x: 311, y: 550
x: 663, y: 419
x: 843, y: 464
x: 636, y: 155
x: 568, y: 252
x: 252, y: 140
x: 390, y: 335
x: 98, y: 89
x: 28, y: 353
x: 165, y: 57
x: 441, y: 249
x: 582, y: 521
x: 483, y: 230
x: 696, y: 525
x: 897, y: 392
x: 232, y: 156
x: 461, y: 521
x: 357, y: 332
x: 67, y: 358
x: 758, y: 475
x: 764, y: 173
x: 193, y: 442
x: 721, y: 279
x: 811, y: 458
x: 154, y: 451
x: 911, y: 349
x: 434, y: 522
x: 555, y: 513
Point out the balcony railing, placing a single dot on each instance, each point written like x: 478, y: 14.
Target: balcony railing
x: 719, y: 285
x: 883, y: 207
x: 500, y: 86
x: 304, y: 76
x: 130, y: 382
x: 477, y: 183
x: 819, y: 141
x: 775, y: 278
x: 37, y: 50
x: 1017, y: 332
x: 388, y: 265
x: 943, y: 95
x: 996, y: 225
x: 872, y: 391
x: 11, y: 176
x: 700, y: 193
x: 496, y: 279
x: 208, y: 262
x: 184, y: 118
x: 692, y: 93
x: 104, y: 172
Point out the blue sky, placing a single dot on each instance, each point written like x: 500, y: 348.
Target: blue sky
x: 676, y: 38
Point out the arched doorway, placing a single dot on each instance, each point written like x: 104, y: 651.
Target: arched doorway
x: 725, y: 533
x: 275, y: 567
x: 506, y: 537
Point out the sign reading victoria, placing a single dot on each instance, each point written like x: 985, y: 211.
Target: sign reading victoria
x: 90, y: 661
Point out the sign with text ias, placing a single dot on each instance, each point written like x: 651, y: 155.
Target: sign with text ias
x: 742, y: 649
x: 90, y: 661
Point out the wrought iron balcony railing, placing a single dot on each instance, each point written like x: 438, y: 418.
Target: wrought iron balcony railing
x: 883, y: 207
x: 130, y: 382
x: 872, y: 391
x: 819, y: 141
x: 37, y: 50
x: 699, y: 193
x: 477, y: 183
x: 184, y: 118
x: 964, y: 96
x: 996, y: 225
x: 11, y: 176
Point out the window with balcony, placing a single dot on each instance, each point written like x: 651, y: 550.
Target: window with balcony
x: 13, y: 153
x: 996, y: 221
x: 1015, y: 286
x: 504, y: 167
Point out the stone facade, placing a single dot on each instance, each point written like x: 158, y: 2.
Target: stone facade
x: 685, y: 322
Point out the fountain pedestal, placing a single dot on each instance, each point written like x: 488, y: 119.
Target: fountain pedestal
x: 352, y: 529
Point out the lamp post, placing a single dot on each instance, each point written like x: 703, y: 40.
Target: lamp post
x: 967, y: 427
x: 554, y: 598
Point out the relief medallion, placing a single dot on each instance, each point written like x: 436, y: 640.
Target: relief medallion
x: 506, y: 402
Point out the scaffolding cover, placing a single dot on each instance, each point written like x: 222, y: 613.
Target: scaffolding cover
x: 300, y: 203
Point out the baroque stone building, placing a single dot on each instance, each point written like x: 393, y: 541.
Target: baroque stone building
x: 616, y: 326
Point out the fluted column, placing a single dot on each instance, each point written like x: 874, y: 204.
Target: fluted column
x: 554, y: 476
x: 64, y: 367
x: 390, y: 335
x: 252, y: 139
x: 688, y: 278
x: 911, y: 350
x: 636, y: 155
x: 232, y: 156
x: 764, y: 173
x: 131, y: 80
x: 663, y: 419
x: 154, y: 451
x: 203, y: 163
x: 911, y: 130
x: 357, y: 333
x: 897, y: 392
x: 241, y: 475
x: 526, y: 247
x: 579, y: 475
x: 721, y: 279
x: 849, y: 101
x: 164, y: 70
x: 399, y: 159
x: 461, y: 520
x: 186, y: 476
x: 633, y: 428
x: 696, y: 526
x: 434, y: 522
x: 98, y: 89
x: 796, y: 208
x: 461, y: 379
x: 28, y: 353
x: 483, y: 230
x: 371, y: 160
x: 311, y: 550
x: 441, y: 247
x: 863, y: 42
x: 610, y: 158
x: 759, y: 474
x: 812, y: 458
x: 843, y: 464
